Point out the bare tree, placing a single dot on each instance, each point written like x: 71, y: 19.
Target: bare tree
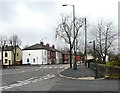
x: 64, y: 31
x: 105, y: 34
x: 26, y: 46
x: 3, y: 42
x: 14, y: 42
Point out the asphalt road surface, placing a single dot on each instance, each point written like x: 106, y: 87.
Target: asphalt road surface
x: 46, y: 78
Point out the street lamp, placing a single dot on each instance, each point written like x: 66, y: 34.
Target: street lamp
x: 95, y: 67
x: 86, y: 63
x: 75, y: 64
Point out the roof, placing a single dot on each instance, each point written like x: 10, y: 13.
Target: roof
x: 41, y: 46
x: 8, y: 48
x: 38, y: 46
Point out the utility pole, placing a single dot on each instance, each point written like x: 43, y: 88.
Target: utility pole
x: 85, y: 44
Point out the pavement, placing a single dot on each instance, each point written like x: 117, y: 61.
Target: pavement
x: 82, y: 72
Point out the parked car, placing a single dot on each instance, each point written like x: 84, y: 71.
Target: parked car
x: 65, y: 62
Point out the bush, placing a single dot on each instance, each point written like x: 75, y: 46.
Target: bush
x: 113, y: 63
x: 101, y: 62
x: 108, y: 72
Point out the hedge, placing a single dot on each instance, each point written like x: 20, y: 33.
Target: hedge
x: 111, y: 72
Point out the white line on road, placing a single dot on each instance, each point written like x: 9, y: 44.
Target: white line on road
x: 49, y: 67
x: 37, y: 69
x: 22, y: 71
x: 28, y: 81
x: 55, y: 67
x: 66, y: 67
x: 61, y: 67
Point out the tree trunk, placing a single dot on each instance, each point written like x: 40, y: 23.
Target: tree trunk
x: 15, y: 55
x: 70, y: 56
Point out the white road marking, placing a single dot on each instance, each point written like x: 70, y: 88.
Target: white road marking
x: 37, y: 69
x: 55, y: 67
x: 66, y: 67
x: 28, y: 81
x: 49, y: 67
x: 61, y: 67
x: 0, y: 88
x: 22, y: 71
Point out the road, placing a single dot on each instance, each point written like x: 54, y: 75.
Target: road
x: 46, y: 78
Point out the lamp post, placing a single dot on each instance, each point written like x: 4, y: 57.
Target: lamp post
x: 86, y: 63
x: 75, y: 64
x: 95, y: 67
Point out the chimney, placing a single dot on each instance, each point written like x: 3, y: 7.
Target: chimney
x: 53, y: 46
x: 47, y: 45
x: 6, y: 45
x: 41, y: 43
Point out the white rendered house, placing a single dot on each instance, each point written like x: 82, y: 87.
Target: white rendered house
x: 36, y: 54
x: 34, y: 57
x: 39, y: 53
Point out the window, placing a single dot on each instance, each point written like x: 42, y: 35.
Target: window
x: 6, y: 54
x: 45, y: 52
x: 9, y: 62
x: 5, y: 60
x: 33, y: 59
x: 17, y: 54
x: 45, y: 59
x: 27, y: 59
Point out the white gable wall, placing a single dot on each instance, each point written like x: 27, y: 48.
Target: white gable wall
x: 34, y: 56
x: 58, y: 57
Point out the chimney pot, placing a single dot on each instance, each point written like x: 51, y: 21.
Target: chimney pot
x: 41, y: 43
x: 47, y: 44
x: 53, y: 46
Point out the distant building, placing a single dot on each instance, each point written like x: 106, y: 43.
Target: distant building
x: 67, y: 57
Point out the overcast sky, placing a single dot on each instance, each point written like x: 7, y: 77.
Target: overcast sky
x: 34, y: 20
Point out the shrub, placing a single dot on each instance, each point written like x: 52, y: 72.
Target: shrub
x: 116, y: 63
